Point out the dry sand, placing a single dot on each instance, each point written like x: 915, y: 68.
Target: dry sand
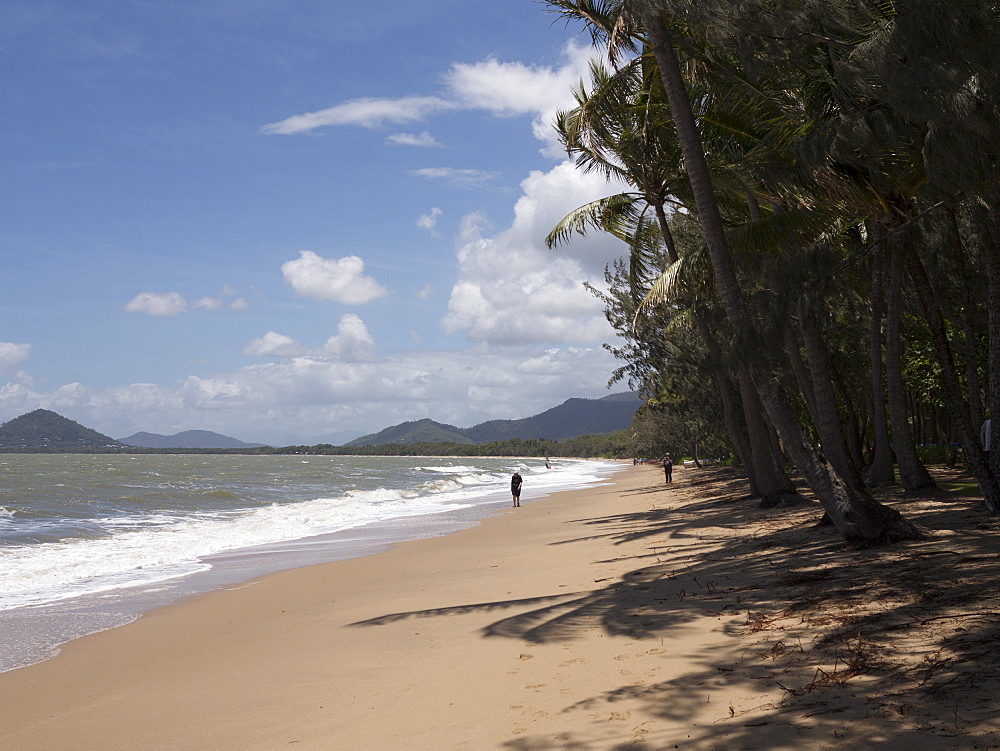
x: 629, y: 616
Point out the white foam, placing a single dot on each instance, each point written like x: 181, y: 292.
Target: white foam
x: 146, y: 550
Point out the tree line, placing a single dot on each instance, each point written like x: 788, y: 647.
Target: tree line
x: 812, y: 218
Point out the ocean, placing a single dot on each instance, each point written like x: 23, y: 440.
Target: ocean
x: 90, y: 542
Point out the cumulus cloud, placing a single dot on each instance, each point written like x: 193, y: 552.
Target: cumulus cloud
x: 174, y: 303
x: 273, y: 344
x: 534, y: 294
x: 366, y: 112
x: 338, y: 279
x: 12, y: 355
x: 464, y: 178
x: 429, y: 220
x: 157, y: 303
x: 352, y: 342
x: 424, y: 140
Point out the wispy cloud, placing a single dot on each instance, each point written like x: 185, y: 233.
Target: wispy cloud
x: 504, y: 89
x: 425, y: 139
x: 367, y: 112
x: 466, y: 178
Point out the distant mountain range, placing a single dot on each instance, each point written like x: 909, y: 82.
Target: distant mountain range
x: 43, y: 430
x: 46, y: 431
x: 572, y: 418
x: 188, y: 439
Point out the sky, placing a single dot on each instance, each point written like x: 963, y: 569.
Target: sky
x: 288, y: 220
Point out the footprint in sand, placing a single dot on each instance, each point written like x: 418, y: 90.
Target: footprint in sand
x: 570, y: 662
x: 524, y: 656
x: 657, y: 651
x: 619, y: 716
x: 535, y: 687
x: 622, y: 657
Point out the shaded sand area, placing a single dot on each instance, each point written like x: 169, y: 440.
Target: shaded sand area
x: 629, y: 616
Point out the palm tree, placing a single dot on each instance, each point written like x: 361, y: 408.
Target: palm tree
x: 855, y: 513
x: 619, y: 129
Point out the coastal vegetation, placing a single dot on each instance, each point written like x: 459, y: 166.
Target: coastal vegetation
x: 813, y: 228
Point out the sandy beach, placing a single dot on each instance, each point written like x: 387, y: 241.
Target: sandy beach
x: 634, y: 615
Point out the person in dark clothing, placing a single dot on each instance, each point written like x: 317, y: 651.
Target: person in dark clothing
x: 515, y: 488
x: 668, y: 469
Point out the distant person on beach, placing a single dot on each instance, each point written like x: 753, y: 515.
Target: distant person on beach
x: 668, y: 469
x: 548, y: 464
x: 985, y: 435
x: 515, y: 488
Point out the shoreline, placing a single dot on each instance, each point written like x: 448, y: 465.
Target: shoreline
x: 630, y: 615
x: 30, y: 635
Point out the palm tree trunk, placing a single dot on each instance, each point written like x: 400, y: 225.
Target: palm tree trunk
x: 776, y: 488
x: 912, y: 473
x: 881, y: 471
x: 967, y: 434
x: 826, y: 418
x: 799, y: 368
x: 975, y: 388
x: 993, y: 307
x: 855, y: 514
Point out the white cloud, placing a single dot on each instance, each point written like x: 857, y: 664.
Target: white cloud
x: 508, y: 89
x: 505, y: 89
x: 352, y: 343
x: 512, y: 289
x: 424, y: 140
x: 466, y: 178
x: 367, y: 112
x: 174, y: 303
x: 341, y: 280
x: 298, y: 398
x: 427, y: 292
x: 157, y: 303
x: 273, y: 344
x: 207, y: 303
x: 429, y: 220
x: 12, y: 354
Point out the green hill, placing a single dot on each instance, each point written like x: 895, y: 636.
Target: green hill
x: 188, y: 439
x: 43, y: 430
x: 572, y: 418
x: 420, y: 431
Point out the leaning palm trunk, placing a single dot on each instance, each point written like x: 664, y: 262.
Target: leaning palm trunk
x: 881, y: 470
x: 974, y: 387
x: 912, y: 473
x: 775, y: 487
x: 855, y: 513
x: 826, y: 416
x: 993, y: 306
x: 974, y: 456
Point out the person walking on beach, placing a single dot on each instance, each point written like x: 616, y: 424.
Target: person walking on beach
x: 668, y: 469
x: 515, y: 488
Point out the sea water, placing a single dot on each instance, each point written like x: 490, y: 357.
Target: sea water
x: 89, y: 542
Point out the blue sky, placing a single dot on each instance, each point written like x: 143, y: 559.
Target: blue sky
x: 283, y: 220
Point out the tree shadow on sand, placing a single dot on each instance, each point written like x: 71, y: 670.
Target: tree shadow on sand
x: 899, y: 638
